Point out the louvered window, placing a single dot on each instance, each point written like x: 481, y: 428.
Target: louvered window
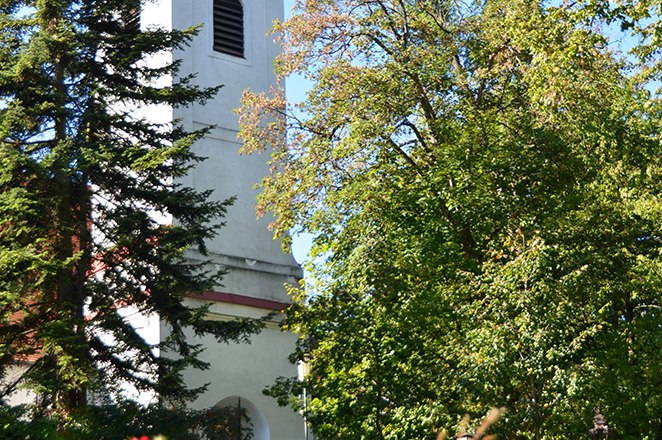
x: 229, y: 27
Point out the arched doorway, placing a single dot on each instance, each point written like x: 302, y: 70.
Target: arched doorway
x: 258, y: 423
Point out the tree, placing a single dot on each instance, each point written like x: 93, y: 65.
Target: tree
x: 83, y: 179
x: 128, y: 420
x: 482, y: 181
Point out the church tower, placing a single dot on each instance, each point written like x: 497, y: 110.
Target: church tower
x: 233, y: 48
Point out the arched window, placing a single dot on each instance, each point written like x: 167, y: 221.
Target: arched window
x: 229, y: 27
x: 256, y: 422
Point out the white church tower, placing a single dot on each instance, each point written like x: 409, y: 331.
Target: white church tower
x: 233, y: 48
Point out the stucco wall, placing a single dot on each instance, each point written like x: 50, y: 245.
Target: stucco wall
x: 256, y: 265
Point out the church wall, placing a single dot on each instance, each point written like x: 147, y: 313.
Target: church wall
x: 225, y: 170
x: 245, y: 370
x: 257, y: 267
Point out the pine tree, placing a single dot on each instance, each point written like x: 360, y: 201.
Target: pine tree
x: 83, y: 179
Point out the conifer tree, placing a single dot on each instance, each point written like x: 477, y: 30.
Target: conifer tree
x: 83, y: 180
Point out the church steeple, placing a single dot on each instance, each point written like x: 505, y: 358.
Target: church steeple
x: 233, y: 48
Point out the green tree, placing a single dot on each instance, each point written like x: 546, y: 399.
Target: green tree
x: 83, y: 178
x: 127, y: 420
x: 483, y: 184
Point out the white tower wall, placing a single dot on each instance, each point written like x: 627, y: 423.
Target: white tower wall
x: 257, y: 268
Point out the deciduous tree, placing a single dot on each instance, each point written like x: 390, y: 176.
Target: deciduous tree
x: 483, y: 184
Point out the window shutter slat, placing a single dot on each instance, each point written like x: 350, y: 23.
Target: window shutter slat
x: 229, y: 27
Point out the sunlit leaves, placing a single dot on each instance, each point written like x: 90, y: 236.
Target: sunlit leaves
x: 483, y: 181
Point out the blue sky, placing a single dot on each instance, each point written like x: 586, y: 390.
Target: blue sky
x: 296, y: 89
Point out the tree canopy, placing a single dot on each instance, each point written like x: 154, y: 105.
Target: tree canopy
x: 85, y: 180
x: 482, y: 180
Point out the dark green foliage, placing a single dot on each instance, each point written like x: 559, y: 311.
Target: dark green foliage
x: 126, y: 420
x: 83, y: 177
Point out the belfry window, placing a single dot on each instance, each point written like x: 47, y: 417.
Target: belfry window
x: 229, y: 27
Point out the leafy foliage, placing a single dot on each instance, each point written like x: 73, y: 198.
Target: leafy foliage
x: 483, y: 184
x: 85, y: 177
x: 126, y: 420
